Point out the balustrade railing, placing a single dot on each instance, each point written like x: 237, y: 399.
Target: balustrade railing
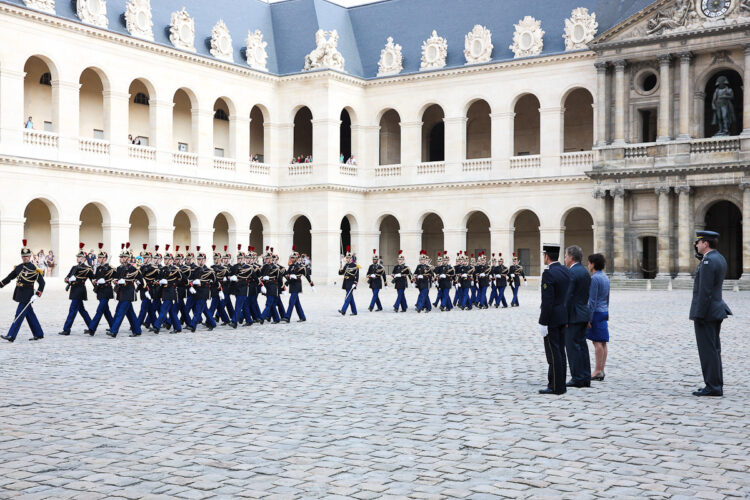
x: 388, y: 171
x: 431, y: 167
x: 93, y: 146
x: 636, y: 151
x: 349, y: 170
x: 715, y: 145
x: 138, y: 152
x: 41, y: 138
x: 476, y: 165
x: 225, y: 164
x: 259, y: 168
x: 300, y: 169
x: 526, y: 161
x: 577, y: 159
x: 185, y: 159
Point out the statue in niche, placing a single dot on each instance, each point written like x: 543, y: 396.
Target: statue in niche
x: 723, y: 106
x: 671, y: 18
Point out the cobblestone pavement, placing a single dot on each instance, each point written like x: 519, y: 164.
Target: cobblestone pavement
x: 442, y: 405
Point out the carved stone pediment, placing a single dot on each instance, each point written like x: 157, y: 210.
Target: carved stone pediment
x: 182, y: 31
x: 478, y: 45
x: 391, y: 60
x: 527, y: 39
x: 434, y: 52
x: 326, y: 53
x: 138, y: 19
x: 255, y: 50
x: 92, y: 12
x: 47, y: 6
x: 221, y: 42
x: 580, y: 29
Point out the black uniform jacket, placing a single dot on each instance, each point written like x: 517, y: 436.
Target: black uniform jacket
x: 555, y: 283
x: 707, y: 303
x: 25, y: 275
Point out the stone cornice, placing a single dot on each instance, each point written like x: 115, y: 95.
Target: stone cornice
x: 635, y: 172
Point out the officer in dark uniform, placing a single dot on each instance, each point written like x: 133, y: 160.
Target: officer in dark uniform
x: 295, y: 271
x: 179, y: 261
x: 230, y: 287
x: 76, y: 280
x: 239, y: 276
x: 465, y: 282
x: 255, y: 286
x: 422, y: 278
x: 376, y: 279
x: 708, y: 310
x: 282, y: 287
x: 127, y: 279
x: 493, y: 281
x: 350, y: 272
x: 25, y: 274
x: 166, y: 290
x: 482, y: 279
x: 187, y: 270
x: 553, y: 318
x: 436, y: 271
x: 515, y: 273
x: 270, y: 285
x: 202, y: 279
x: 501, y: 281
x: 458, y: 268
x: 218, y: 300
x: 446, y: 279
x: 400, y: 277
x: 150, y: 274
x: 103, y: 287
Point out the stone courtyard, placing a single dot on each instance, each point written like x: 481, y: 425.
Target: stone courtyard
x: 440, y: 405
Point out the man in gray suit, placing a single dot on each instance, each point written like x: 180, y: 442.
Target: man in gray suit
x: 708, y: 310
x: 577, y: 306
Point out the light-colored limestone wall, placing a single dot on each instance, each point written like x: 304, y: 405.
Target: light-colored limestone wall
x: 139, y: 124
x: 390, y: 138
x: 91, y: 104
x: 37, y: 98
x: 479, y: 131
x: 182, y: 121
x: 36, y: 228
x: 526, y: 126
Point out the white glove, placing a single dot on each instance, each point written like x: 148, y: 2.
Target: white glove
x: 442, y: 276
x: 525, y: 283
x: 224, y: 278
x: 312, y: 287
x: 543, y: 330
x: 512, y: 275
x: 266, y: 278
x: 163, y: 282
x: 472, y: 282
x: 398, y: 275
x: 233, y: 278
x: 121, y: 281
x: 192, y: 290
x: 354, y: 286
x: 33, y: 298
x: 72, y: 279
x: 197, y: 282
x: 464, y: 275
x: 292, y: 276
x: 221, y: 295
x: 373, y: 276
x: 147, y: 295
x: 263, y: 290
x: 481, y: 275
x: 101, y: 281
x: 419, y: 277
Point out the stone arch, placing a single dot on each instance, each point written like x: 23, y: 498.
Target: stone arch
x: 39, y: 215
x: 258, y: 225
x: 345, y: 134
x: 348, y: 227
x: 223, y: 125
x: 302, y: 234
x: 527, y: 240
x: 736, y: 85
x: 389, y: 242
x: 526, y: 125
x: 578, y: 225
x: 478, y: 130
x: 477, y: 224
x: 184, y: 223
x: 141, y: 113
x: 184, y: 131
x: 433, y: 237
x: 725, y: 217
x: 141, y: 219
x: 578, y: 120
x: 39, y: 101
x: 390, y: 137
x: 92, y: 217
x: 92, y: 120
x: 433, y: 133
x: 303, y: 132
x: 223, y: 224
x: 258, y: 120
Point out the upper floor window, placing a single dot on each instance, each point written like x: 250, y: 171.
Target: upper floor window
x: 141, y: 98
x: 46, y: 79
x: 220, y: 114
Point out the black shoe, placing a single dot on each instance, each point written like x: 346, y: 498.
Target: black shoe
x: 89, y: 332
x: 550, y: 391
x: 64, y: 333
x: 155, y: 330
x: 369, y: 309
x: 599, y: 377
x: 190, y: 328
x: 353, y: 314
x: 505, y: 307
x: 110, y: 334
x: 395, y: 309
x: 285, y: 320
x: 380, y: 309
x: 210, y: 328
x: 233, y: 325
x: 579, y: 385
x: 261, y: 321
x: 7, y: 337
x: 707, y: 392
x: 147, y: 326
x: 224, y: 323
x: 35, y: 338
x: 342, y: 312
x: 419, y: 311
x: 301, y: 320
x: 134, y: 335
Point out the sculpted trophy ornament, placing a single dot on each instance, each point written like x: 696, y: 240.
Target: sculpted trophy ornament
x: 527, y: 39
x: 723, y: 106
x: 47, y: 6
x: 255, y: 50
x: 434, y: 52
x: 182, y: 31
x: 478, y: 45
x: 674, y: 17
x: 138, y: 19
x: 221, y: 42
x: 92, y: 12
x: 391, y: 60
x: 580, y: 29
x: 325, y: 54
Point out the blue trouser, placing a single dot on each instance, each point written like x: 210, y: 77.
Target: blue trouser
x: 376, y: 299
x: 76, y: 307
x: 181, y: 308
x: 423, y: 300
x: 280, y: 307
x: 294, y: 305
x: 241, y: 310
x: 200, y: 307
x: 144, y: 315
x: 31, y: 319
x: 252, y: 304
x: 466, y: 298
x: 349, y: 301
x: 125, y: 309
x: 474, y: 294
x: 189, y: 307
x: 501, y: 296
x: 446, y: 299
x: 101, y: 310
x: 457, y: 297
x: 493, y: 293
x: 483, y: 296
x: 168, y: 308
x: 439, y: 298
x: 514, y: 301
x: 400, y: 300
x: 271, y: 311
x: 228, y: 306
x: 217, y: 305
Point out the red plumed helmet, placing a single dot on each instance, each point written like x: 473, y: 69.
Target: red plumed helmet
x: 122, y: 246
x: 127, y: 245
x: 252, y: 249
x: 294, y: 248
x: 24, y: 242
x: 156, y: 248
x: 400, y: 252
x: 514, y: 254
x: 198, y: 248
x: 177, y: 248
x: 445, y: 252
x: 267, y: 247
x: 271, y: 249
x: 101, y: 245
x: 226, y: 247
x: 81, y: 245
x: 239, y: 246
x: 472, y: 256
x: 187, y: 248
x: 166, y: 247
x: 348, y: 248
x: 213, y: 247
x: 500, y: 255
x: 145, y: 245
x: 374, y: 251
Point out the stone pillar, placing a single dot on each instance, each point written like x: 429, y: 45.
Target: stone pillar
x: 746, y: 98
x: 551, y: 122
x: 618, y: 230
x: 600, y: 130
x: 665, y: 224
x: 269, y: 136
x: 411, y: 244
x: 455, y: 139
x: 499, y: 241
x: 65, y: 241
x: 203, y: 238
x: 114, y: 235
x: 326, y: 135
x: 161, y: 127
x: 600, y: 221
x: 665, y: 99
x: 619, y: 102
x: 11, y: 239
x: 411, y: 143
x: 238, y: 235
x: 454, y: 240
x: 239, y: 138
x: 160, y: 235
x: 12, y: 118
x: 684, y: 248
x: 502, y: 141
x: 65, y: 115
x: 745, y: 187
x: 325, y: 255
x: 116, y: 120
x: 368, y: 152
x: 203, y: 136
x: 686, y: 98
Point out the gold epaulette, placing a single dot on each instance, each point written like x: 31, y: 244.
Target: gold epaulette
x: 40, y: 271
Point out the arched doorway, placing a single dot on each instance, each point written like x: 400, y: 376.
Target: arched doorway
x: 578, y: 129
x: 725, y: 218
x: 478, y: 131
x: 390, y: 138
x: 433, y: 134
x: 139, y: 114
x: 433, y: 239
x: 221, y: 129
x: 257, y: 136
x: 345, y: 238
x: 579, y: 230
x: 302, y: 238
x: 711, y: 126
x: 389, y: 242
x: 139, y: 222
x: 37, y: 227
x: 345, y: 135
x: 182, y: 229
x: 221, y: 232
x: 91, y: 106
x: 478, y: 234
x: 303, y: 133
x: 37, y: 95
x: 526, y: 126
x: 526, y: 242
x: 184, y: 138
x: 256, y: 234
x: 648, y: 267
x: 90, y: 230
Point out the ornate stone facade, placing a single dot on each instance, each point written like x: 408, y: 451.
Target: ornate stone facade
x: 391, y: 61
x: 326, y: 54
x: 221, y: 42
x: 434, y: 52
x: 255, y: 51
x: 138, y: 19
x: 47, y: 6
x: 92, y: 12
x: 478, y: 45
x: 182, y: 31
x: 580, y: 29
x: 527, y: 39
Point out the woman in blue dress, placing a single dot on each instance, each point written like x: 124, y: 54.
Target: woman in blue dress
x: 598, y: 330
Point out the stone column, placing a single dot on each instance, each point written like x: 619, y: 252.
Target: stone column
x: 665, y: 99
x: 238, y: 235
x: 65, y: 241
x: 499, y: 241
x: 116, y: 120
x: 502, y: 141
x: 618, y: 251
x: 239, y: 138
x: 684, y: 248
x: 11, y: 239
x: 455, y: 139
x: 368, y: 154
x: 202, y: 141
x: 454, y: 240
x: 551, y: 122
x: 663, y: 255
x: 411, y: 143
x: 411, y: 244
x: 114, y: 235
x: 161, y: 127
x: 65, y: 115
x: 745, y: 187
x: 160, y: 235
x: 686, y: 98
x: 600, y: 131
x: 325, y: 255
x: 12, y: 118
x: 326, y: 135
x: 746, y: 96
x: 269, y: 137
x: 600, y: 221
x: 619, y: 102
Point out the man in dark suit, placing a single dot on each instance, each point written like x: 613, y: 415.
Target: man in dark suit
x: 553, y: 317
x: 708, y: 310
x: 577, y: 306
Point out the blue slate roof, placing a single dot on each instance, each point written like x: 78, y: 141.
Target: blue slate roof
x: 289, y: 26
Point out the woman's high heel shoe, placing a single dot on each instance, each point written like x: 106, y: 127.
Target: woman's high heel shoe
x: 598, y: 377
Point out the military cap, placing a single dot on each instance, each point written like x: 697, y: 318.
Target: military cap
x: 706, y: 235
x: 25, y: 250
